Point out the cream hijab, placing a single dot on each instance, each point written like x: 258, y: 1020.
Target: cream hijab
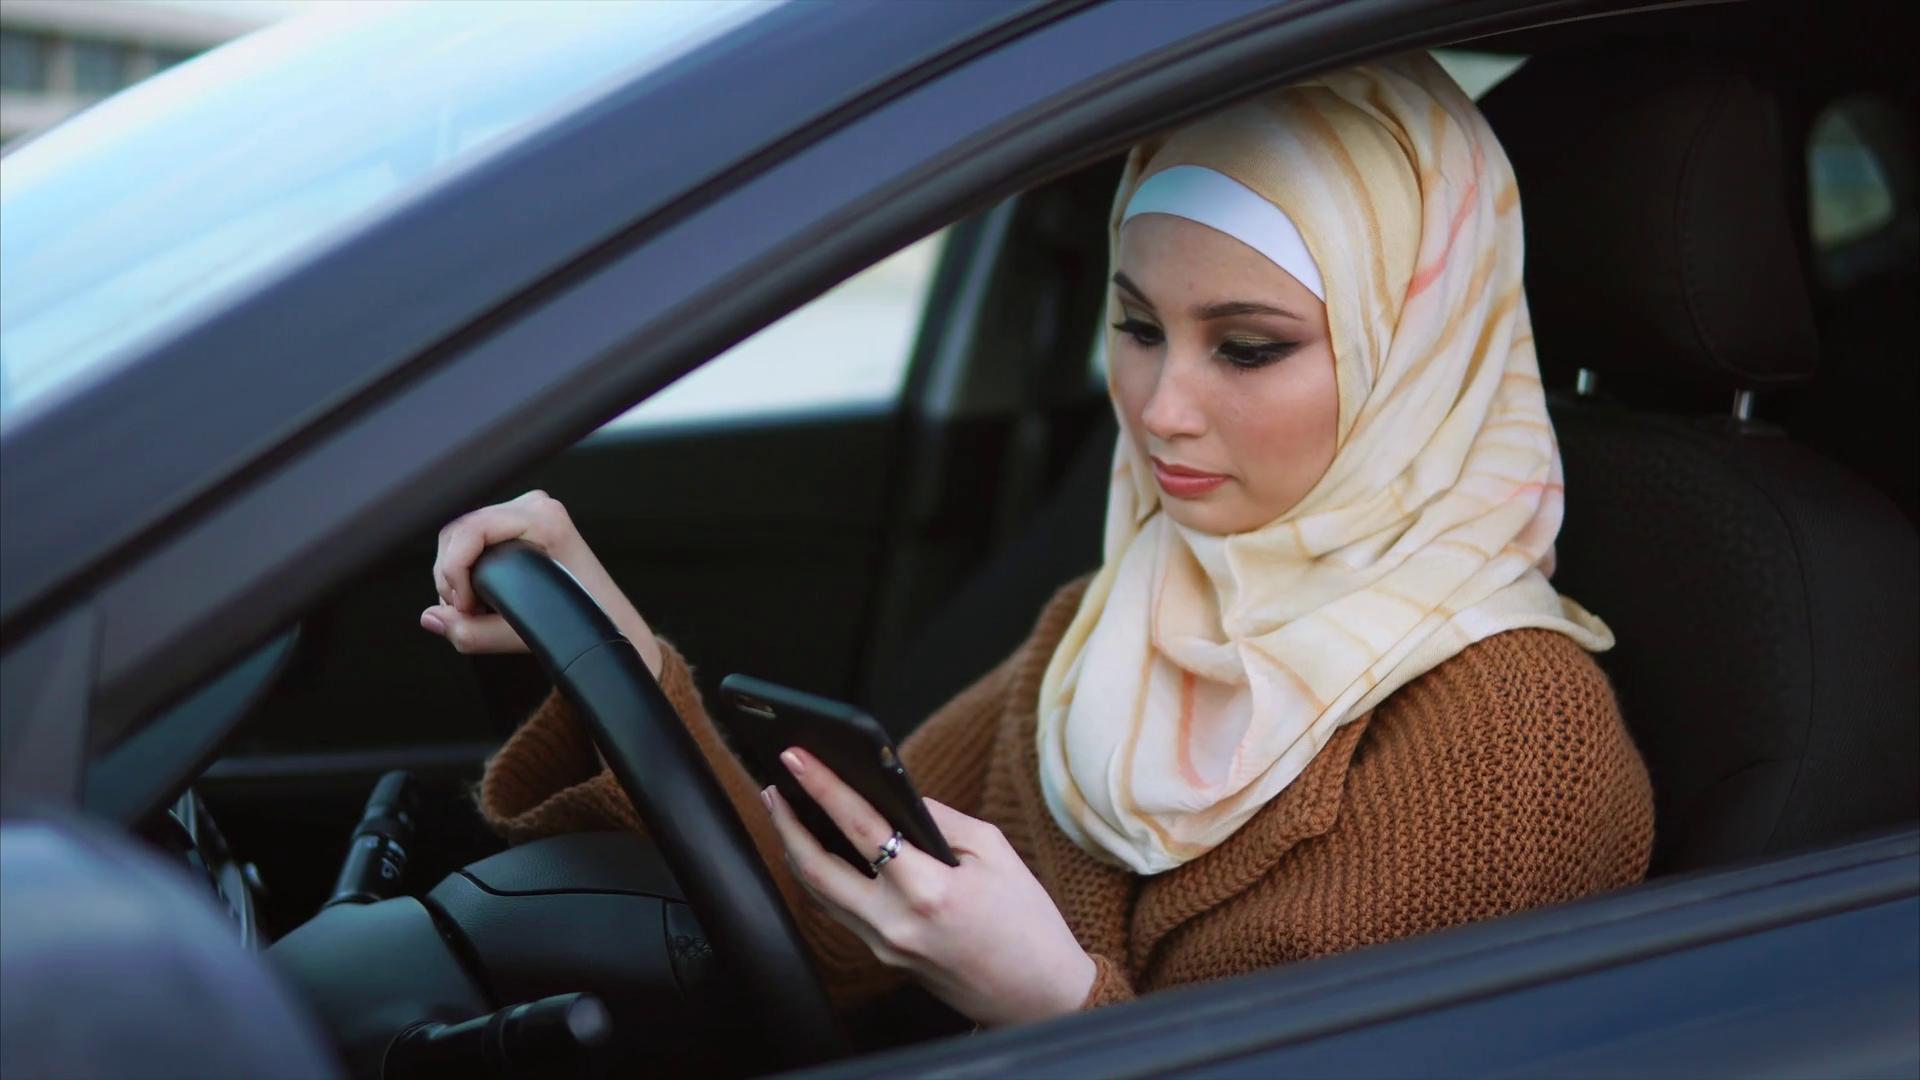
x: 1203, y: 673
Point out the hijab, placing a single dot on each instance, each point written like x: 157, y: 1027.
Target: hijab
x: 1202, y: 673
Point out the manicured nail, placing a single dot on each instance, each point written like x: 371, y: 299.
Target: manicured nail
x: 792, y: 761
x: 433, y: 624
x: 766, y: 799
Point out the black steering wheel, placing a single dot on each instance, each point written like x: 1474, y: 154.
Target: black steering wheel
x: 675, y: 792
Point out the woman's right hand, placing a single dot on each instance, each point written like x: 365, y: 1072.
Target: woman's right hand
x: 540, y: 520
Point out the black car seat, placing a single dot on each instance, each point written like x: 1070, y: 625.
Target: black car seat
x: 1861, y: 409
x: 1766, y: 600
x: 993, y: 611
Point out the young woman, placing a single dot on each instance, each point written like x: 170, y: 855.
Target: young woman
x: 1319, y: 695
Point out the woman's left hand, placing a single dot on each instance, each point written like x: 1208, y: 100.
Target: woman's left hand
x: 983, y: 936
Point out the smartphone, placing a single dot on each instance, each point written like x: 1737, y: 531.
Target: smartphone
x: 764, y: 718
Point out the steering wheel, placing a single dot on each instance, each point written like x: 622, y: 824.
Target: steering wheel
x: 661, y: 769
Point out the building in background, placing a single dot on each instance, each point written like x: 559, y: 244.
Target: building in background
x: 59, y: 56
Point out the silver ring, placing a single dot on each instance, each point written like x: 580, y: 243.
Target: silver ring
x: 887, y: 851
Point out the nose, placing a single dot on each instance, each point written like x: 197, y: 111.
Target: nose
x: 1174, y: 411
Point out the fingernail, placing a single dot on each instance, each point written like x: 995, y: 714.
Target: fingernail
x: 792, y: 762
x: 432, y: 623
x: 766, y: 799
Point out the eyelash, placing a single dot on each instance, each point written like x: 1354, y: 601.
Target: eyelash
x: 1240, y: 355
x: 1142, y: 332
x: 1251, y: 355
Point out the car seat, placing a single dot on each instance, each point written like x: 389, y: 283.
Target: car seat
x: 1766, y: 600
x: 994, y: 609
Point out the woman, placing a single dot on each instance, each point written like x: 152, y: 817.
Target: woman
x: 1319, y: 695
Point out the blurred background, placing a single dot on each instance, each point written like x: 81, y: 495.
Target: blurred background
x: 59, y: 56
x: 848, y: 348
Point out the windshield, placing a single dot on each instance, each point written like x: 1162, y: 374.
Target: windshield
x: 216, y: 175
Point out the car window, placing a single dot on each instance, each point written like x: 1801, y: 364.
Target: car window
x: 1847, y: 184
x: 222, y: 171
x: 1478, y: 72
x: 848, y: 349
x: 1860, y: 178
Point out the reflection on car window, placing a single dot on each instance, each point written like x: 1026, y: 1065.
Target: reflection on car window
x: 849, y: 349
x: 1846, y: 181
x: 213, y: 176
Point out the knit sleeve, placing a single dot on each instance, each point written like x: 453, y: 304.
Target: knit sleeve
x: 541, y: 782
x: 1563, y: 801
x: 548, y: 779
x: 1110, y: 985
x: 1508, y: 782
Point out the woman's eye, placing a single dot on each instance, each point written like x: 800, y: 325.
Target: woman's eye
x: 1141, y: 331
x: 1247, y: 355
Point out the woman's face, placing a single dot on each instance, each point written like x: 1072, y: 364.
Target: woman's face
x: 1224, y: 372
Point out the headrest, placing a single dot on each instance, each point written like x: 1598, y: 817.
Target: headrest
x: 1659, y: 242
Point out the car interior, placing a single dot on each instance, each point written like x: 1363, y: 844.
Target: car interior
x: 1722, y: 243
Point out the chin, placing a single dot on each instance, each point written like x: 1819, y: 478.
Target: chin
x: 1214, y: 520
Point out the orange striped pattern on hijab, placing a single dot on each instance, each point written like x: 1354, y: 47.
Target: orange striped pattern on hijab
x: 1203, y: 673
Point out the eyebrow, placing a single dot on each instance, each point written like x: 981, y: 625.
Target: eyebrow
x: 1126, y: 285
x: 1240, y: 307
x: 1223, y: 310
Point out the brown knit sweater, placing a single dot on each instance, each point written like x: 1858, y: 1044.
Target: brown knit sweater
x: 1501, y: 780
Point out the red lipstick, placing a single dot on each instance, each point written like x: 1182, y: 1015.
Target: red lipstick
x: 1184, y: 483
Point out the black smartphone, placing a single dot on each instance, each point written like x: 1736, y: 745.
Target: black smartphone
x: 764, y: 718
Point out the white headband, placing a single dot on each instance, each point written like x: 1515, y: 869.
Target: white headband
x: 1220, y: 202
